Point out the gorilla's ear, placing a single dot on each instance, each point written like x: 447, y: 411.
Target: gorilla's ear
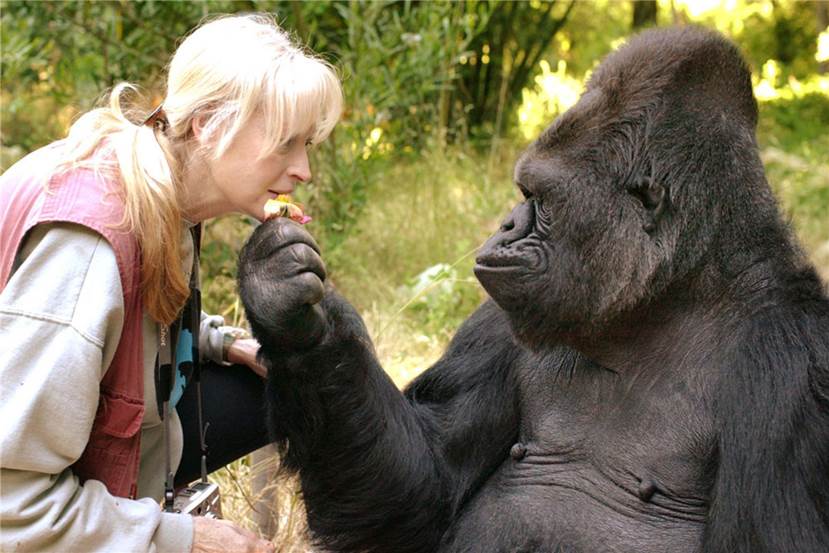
x: 652, y: 197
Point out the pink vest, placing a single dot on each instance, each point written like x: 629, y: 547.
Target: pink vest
x: 80, y: 196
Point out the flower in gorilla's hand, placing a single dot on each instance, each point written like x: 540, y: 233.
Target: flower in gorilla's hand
x: 283, y: 206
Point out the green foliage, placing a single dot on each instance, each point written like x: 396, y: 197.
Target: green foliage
x: 395, y: 60
x: 502, y: 56
x: 798, y: 125
x: 795, y: 148
x: 390, y: 198
x: 221, y: 241
x: 437, y: 209
x: 786, y: 33
x: 59, y: 57
x: 440, y: 298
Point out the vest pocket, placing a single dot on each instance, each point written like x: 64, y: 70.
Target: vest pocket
x: 112, y: 453
x: 119, y: 415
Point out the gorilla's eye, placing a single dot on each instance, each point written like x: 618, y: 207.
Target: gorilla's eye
x: 650, y: 193
x: 524, y: 191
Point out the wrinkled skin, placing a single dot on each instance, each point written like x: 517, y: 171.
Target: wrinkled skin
x: 650, y: 375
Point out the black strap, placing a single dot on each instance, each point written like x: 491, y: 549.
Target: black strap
x: 195, y: 295
x: 165, y: 368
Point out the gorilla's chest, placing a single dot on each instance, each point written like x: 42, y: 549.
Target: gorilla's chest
x: 600, y: 465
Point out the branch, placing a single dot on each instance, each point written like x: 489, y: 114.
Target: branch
x: 525, y: 70
x: 104, y: 39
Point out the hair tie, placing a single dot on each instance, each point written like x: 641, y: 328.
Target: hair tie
x: 157, y: 119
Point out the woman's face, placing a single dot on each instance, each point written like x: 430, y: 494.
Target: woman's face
x: 240, y: 181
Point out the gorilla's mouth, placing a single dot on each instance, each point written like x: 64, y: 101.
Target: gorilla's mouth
x: 521, y: 258
x: 498, y: 262
x: 505, y: 278
x: 496, y: 271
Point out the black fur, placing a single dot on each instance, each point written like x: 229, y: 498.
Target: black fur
x: 651, y: 375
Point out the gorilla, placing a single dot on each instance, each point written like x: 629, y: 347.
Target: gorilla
x: 651, y: 373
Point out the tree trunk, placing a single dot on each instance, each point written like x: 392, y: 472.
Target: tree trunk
x: 644, y: 13
x: 822, y: 17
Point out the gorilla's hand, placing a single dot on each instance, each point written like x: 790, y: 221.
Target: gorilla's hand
x: 281, y: 279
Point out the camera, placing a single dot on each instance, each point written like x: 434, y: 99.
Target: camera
x: 201, y: 499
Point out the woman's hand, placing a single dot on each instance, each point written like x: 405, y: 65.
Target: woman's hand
x: 243, y: 352
x: 220, y: 536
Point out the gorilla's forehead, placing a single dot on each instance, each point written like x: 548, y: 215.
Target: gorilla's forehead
x: 648, y: 60
x: 565, y: 147
x: 677, y: 71
x: 684, y: 65
x: 583, y: 127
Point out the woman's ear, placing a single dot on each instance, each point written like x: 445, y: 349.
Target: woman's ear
x: 197, y: 125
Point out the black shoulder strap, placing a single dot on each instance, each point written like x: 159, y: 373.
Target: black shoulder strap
x: 190, y: 320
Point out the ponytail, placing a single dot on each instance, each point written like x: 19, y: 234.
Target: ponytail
x: 139, y: 155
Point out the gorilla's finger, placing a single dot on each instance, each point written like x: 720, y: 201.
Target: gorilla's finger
x: 279, y: 233
x: 306, y: 289
x: 308, y: 259
x: 293, y: 260
x: 307, y: 330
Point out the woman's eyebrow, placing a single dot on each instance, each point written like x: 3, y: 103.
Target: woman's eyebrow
x: 294, y: 137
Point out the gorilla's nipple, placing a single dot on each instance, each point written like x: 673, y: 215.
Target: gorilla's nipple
x: 518, y: 451
x: 647, y: 487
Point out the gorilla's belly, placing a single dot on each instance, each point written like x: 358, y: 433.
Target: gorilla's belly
x: 536, y: 505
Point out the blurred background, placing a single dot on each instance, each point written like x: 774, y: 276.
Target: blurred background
x: 441, y: 98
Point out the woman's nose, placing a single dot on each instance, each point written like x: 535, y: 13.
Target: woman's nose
x: 301, y: 167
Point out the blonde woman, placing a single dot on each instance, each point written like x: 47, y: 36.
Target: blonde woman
x: 96, y: 253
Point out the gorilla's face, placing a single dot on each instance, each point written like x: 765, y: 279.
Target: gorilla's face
x: 650, y: 184
x: 586, y: 243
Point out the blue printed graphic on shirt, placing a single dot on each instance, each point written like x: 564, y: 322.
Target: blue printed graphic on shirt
x: 184, y: 354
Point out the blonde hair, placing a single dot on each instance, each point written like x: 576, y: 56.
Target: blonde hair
x: 224, y: 72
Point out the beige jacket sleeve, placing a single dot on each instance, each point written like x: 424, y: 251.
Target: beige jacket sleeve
x: 60, y: 319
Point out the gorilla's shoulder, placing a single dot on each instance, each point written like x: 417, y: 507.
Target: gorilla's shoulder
x: 481, y: 353
x: 487, y: 326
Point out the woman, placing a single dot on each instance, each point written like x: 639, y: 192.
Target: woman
x: 96, y: 252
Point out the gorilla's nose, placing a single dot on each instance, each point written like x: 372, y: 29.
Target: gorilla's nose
x: 516, y: 226
x: 519, y: 223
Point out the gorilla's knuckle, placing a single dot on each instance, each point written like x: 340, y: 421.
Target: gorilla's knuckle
x: 312, y: 287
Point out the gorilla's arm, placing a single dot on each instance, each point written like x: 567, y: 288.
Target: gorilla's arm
x: 772, y: 484
x: 380, y: 470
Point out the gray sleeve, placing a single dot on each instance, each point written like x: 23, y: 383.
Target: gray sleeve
x: 61, y: 315
x: 211, y: 338
x: 212, y: 333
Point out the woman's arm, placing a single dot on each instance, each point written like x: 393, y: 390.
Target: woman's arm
x: 60, y: 320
